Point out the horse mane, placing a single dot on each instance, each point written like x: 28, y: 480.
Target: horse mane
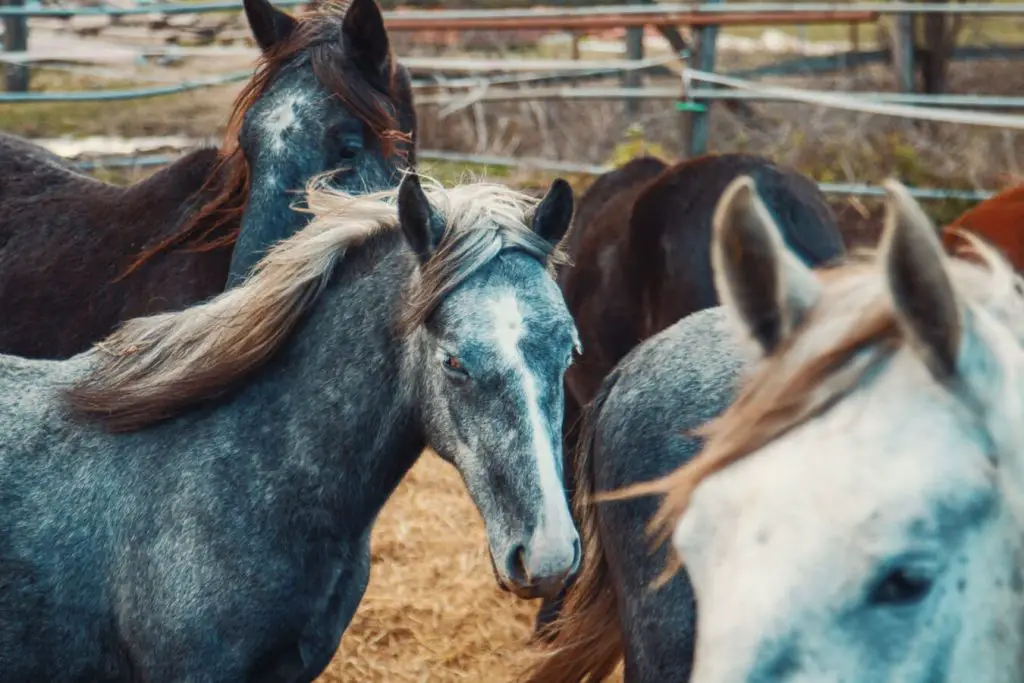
x: 850, y: 333
x: 378, y: 105
x: 153, y: 368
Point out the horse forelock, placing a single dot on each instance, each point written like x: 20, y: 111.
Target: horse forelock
x: 481, y: 220
x: 851, y: 332
x: 153, y: 368
x: 380, y: 105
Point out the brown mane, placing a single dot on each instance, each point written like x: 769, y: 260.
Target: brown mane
x: 215, y: 223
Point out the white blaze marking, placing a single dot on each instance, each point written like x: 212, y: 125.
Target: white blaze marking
x: 555, y: 533
x: 280, y: 120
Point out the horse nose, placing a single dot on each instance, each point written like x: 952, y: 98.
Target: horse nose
x: 539, y: 568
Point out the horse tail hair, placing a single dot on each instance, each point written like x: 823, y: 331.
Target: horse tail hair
x: 585, y: 640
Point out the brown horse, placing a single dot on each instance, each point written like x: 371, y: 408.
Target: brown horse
x: 1000, y: 220
x: 641, y: 245
x: 78, y: 256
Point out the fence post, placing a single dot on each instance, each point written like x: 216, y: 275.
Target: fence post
x: 16, y: 40
x: 695, y: 124
x: 634, y: 51
x: 903, y: 49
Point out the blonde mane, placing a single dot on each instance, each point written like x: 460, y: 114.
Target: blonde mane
x: 851, y: 332
x: 152, y: 368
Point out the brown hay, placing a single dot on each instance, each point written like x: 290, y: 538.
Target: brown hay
x: 432, y: 611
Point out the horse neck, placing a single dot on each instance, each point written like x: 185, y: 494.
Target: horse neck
x: 178, y: 185
x: 268, y: 213
x: 338, y: 402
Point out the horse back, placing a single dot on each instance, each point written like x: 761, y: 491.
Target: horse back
x: 608, y: 186
x: 596, y: 290
x: 671, y: 226
x: 66, y: 238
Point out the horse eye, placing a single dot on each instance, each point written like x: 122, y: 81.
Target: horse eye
x: 349, y: 152
x: 454, y: 366
x: 901, y: 587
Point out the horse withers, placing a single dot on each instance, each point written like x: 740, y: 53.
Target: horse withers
x: 193, y: 498
x: 79, y: 256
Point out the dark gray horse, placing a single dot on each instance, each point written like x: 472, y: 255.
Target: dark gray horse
x: 79, y: 256
x: 193, y: 499
x: 639, y: 428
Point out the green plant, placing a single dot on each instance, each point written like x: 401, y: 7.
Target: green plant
x: 634, y: 145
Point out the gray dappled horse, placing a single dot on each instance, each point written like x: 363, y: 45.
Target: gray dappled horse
x: 639, y: 427
x: 79, y: 256
x: 193, y: 498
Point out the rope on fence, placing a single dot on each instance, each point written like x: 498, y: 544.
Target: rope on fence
x: 123, y: 94
x: 668, y: 93
x: 558, y: 69
x: 855, y: 102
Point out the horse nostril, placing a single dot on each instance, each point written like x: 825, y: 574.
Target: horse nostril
x: 517, y: 565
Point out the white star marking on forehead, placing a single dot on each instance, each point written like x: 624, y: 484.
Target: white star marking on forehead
x: 508, y: 326
x: 281, y: 119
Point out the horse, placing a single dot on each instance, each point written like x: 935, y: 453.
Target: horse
x: 79, y: 256
x: 640, y: 243
x: 895, y: 552
x: 192, y: 499
x: 999, y: 220
x: 651, y: 417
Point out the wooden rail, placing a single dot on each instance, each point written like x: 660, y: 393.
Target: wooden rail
x: 396, y: 22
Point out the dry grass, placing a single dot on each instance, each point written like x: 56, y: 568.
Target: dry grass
x: 433, y: 611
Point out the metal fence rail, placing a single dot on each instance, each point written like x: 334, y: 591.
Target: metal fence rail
x: 556, y: 166
x: 479, y: 83
x: 502, y: 15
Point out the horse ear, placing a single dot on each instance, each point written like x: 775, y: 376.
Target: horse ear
x: 422, y: 231
x: 919, y: 283
x: 366, y: 37
x: 968, y: 344
x: 758, y: 279
x: 269, y: 25
x: 552, y: 217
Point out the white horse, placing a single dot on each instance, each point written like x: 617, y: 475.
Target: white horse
x: 856, y: 515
